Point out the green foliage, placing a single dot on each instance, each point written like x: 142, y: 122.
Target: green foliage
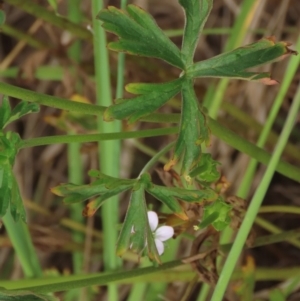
x: 234, y: 63
x: 206, y: 171
x: 104, y: 188
x: 139, y: 34
x: 10, y: 197
x: 216, y: 214
x: 196, y: 14
x: 21, y: 109
x: 170, y: 195
x: 8, y: 295
x: 9, y: 190
x: 152, y: 97
x: 193, y: 132
x: 136, y: 234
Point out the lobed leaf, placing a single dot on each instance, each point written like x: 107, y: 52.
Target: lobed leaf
x: 196, y: 14
x: 170, y: 196
x: 139, y: 34
x: 233, y: 64
x: 103, y: 188
x: 136, y: 234
x: 217, y: 214
x: 193, y: 131
x: 22, y: 108
x: 206, y: 171
x: 152, y: 97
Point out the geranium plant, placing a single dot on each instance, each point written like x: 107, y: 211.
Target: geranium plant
x: 198, y: 180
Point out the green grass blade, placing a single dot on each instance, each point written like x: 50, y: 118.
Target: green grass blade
x: 75, y: 168
x: 20, y: 237
x: 292, y: 67
x: 255, y: 203
x: 109, y: 151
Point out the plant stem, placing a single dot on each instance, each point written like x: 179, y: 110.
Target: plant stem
x: 218, y: 130
x: 41, y: 12
x: 22, y: 36
x: 155, y: 158
x: 109, y: 151
x: 75, y: 168
x: 96, y: 137
x: 50, y: 101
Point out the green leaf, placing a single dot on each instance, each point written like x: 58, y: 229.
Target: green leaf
x: 4, y: 112
x: 216, y: 214
x: 233, y: 64
x: 136, y: 234
x: 193, y: 131
x: 9, y: 190
x: 21, y: 109
x: 139, y: 34
x: 206, y: 171
x: 6, y: 184
x: 152, y: 97
x: 10, y: 295
x: 170, y: 196
x: 103, y: 188
x: 9, y: 146
x: 196, y: 14
x: 209, y: 220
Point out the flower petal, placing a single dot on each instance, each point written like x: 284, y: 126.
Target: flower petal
x: 159, y: 246
x: 153, y: 220
x: 164, y: 233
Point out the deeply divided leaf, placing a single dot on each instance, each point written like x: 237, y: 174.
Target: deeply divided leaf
x: 139, y: 34
x: 206, y: 170
x: 102, y: 189
x: 151, y: 98
x: 217, y: 214
x: 193, y: 131
x: 136, y: 234
x: 170, y: 196
x: 234, y: 64
x: 196, y: 14
x: 22, y: 108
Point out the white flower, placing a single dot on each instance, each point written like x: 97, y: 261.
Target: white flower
x: 161, y: 234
